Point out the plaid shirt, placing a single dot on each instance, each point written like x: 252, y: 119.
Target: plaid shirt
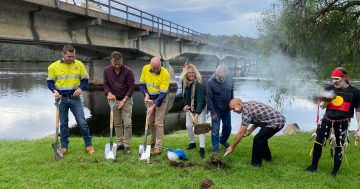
x: 261, y: 115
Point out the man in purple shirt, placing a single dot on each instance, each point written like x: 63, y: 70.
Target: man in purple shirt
x: 119, y: 84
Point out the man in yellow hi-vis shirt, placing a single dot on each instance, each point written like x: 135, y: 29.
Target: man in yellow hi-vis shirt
x: 67, y: 78
x: 154, y: 84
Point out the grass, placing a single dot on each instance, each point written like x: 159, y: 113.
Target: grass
x: 30, y: 164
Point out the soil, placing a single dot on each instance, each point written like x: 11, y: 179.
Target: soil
x: 216, y: 164
x: 206, y: 183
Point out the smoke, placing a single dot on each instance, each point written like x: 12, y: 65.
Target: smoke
x: 289, y: 77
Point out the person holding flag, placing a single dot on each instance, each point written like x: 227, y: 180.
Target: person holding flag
x: 337, y: 117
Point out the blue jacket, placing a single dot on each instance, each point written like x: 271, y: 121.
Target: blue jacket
x: 218, y: 94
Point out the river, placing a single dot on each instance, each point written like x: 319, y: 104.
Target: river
x: 28, y: 111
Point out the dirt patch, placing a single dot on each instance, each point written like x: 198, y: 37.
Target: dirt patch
x: 215, y: 163
x: 206, y: 183
x: 180, y: 164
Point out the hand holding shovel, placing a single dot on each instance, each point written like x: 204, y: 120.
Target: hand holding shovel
x: 229, y: 150
x: 150, y: 106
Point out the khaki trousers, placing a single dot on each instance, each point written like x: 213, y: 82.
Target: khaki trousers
x: 122, y: 122
x: 156, y: 121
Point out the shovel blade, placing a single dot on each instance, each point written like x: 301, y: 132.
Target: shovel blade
x: 110, y: 153
x: 144, y: 153
x: 57, y: 152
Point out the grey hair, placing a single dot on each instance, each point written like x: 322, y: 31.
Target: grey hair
x: 221, y: 70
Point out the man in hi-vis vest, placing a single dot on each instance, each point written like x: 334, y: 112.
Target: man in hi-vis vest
x: 67, y: 78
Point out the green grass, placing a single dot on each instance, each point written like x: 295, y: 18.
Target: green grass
x: 30, y: 164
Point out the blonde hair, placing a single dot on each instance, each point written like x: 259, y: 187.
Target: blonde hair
x: 185, y: 71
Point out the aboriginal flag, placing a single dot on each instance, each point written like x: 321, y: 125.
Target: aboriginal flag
x: 341, y: 102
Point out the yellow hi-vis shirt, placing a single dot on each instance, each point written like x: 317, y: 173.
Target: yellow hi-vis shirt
x: 155, y: 83
x: 67, y: 76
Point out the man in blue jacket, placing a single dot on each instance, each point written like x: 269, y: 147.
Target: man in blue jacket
x: 220, y: 90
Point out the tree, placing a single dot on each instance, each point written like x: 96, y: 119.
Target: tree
x: 327, y: 32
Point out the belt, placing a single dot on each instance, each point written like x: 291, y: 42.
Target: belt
x: 337, y: 120
x: 69, y: 96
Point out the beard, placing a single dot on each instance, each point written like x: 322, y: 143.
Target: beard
x: 341, y: 84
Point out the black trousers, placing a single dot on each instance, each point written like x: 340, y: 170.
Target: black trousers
x: 261, y: 148
x: 323, y: 132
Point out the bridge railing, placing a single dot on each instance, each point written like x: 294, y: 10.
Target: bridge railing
x: 129, y: 13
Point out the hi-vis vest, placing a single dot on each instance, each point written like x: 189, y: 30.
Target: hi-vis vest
x: 155, y: 83
x: 67, y: 76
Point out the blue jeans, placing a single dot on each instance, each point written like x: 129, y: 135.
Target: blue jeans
x: 225, y: 117
x: 75, y: 105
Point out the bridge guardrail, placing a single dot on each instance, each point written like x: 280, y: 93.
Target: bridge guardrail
x: 130, y: 13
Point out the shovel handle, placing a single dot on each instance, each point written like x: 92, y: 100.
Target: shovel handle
x: 112, y: 103
x: 57, y: 119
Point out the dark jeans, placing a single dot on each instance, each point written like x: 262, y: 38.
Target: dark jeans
x: 261, y: 148
x: 226, y: 130
x: 322, y: 133
x: 75, y: 106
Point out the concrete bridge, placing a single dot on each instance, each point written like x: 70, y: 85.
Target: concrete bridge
x: 96, y: 28
x: 99, y: 27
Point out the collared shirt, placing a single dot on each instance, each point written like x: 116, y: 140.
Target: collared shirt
x: 156, y: 85
x: 66, y: 78
x: 261, y: 115
x: 121, y: 84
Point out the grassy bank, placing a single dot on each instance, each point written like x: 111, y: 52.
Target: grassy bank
x: 30, y: 164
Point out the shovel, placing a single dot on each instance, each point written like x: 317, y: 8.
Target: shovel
x: 56, y: 146
x: 144, y: 150
x: 110, y: 148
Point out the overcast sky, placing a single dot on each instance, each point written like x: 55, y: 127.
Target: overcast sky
x: 209, y: 16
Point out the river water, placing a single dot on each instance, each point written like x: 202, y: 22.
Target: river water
x: 27, y: 108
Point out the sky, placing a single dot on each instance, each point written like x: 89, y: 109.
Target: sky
x: 216, y: 17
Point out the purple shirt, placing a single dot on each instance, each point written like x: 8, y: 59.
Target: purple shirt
x: 120, y: 85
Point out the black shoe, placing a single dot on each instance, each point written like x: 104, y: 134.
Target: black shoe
x: 126, y: 150
x: 334, y: 173
x: 310, y: 169
x: 225, y: 144
x: 256, y: 165
x: 191, y: 146
x: 202, y: 153
x: 120, y: 147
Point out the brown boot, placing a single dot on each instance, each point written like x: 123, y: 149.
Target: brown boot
x: 64, y: 151
x: 156, y: 152
x: 152, y: 143
x: 90, y: 150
